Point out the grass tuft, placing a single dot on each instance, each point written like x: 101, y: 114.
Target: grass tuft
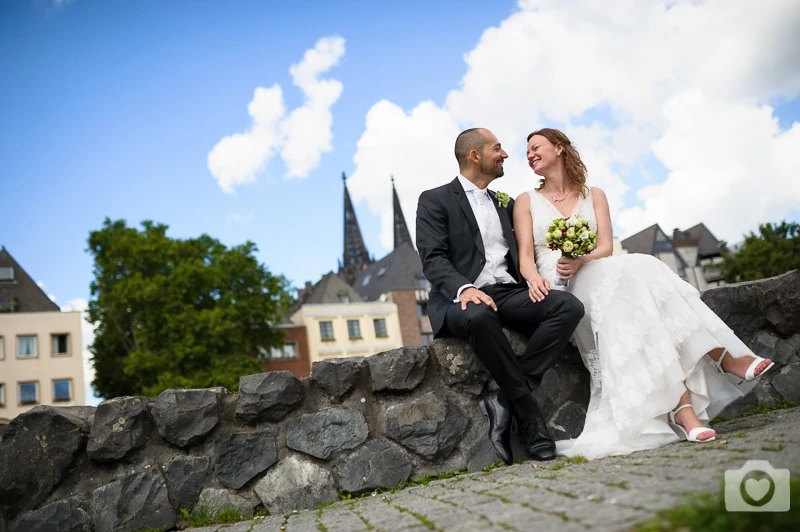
x: 201, y: 516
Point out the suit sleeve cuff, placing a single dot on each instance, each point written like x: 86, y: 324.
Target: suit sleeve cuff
x: 458, y: 294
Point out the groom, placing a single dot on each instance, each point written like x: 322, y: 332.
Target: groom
x: 469, y: 255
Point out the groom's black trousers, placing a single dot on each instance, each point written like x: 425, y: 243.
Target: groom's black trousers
x: 548, y: 324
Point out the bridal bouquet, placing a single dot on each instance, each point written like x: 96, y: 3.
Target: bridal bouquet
x: 573, y: 237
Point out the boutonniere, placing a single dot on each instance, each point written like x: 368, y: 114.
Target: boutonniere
x: 502, y: 199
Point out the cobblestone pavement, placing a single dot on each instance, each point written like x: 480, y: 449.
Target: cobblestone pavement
x: 608, y: 494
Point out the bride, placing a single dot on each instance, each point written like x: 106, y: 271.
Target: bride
x: 661, y: 362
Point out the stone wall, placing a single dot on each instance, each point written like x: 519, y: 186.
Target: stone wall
x: 286, y: 443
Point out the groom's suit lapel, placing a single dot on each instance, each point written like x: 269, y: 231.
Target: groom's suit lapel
x: 463, y: 202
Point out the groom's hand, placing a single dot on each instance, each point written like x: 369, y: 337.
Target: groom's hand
x: 473, y: 295
x: 538, y: 289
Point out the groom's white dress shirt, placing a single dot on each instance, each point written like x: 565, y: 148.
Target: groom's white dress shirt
x: 494, y: 243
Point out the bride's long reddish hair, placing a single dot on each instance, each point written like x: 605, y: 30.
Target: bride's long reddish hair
x: 575, y: 169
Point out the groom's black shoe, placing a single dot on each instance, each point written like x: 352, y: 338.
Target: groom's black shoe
x: 496, y: 407
x: 533, y: 429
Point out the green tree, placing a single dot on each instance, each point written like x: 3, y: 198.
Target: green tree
x: 775, y: 250
x: 173, y: 313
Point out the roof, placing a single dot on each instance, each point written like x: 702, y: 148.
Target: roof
x: 330, y: 289
x: 399, y: 270
x: 23, y: 291
x: 653, y: 241
x: 643, y: 241
x: 707, y: 243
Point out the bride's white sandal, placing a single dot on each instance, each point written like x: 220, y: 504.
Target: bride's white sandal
x: 695, y: 432
x: 750, y: 374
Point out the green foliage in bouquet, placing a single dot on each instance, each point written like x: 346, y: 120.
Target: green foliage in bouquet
x: 572, y: 236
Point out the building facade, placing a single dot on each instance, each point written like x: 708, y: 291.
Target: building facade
x: 292, y: 355
x: 347, y: 330
x: 41, y: 358
x: 694, y: 254
x: 339, y: 323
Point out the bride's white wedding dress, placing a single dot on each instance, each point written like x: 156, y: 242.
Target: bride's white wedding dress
x: 645, y: 333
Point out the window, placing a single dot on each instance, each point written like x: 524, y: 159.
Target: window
x: 2, y: 349
x: 326, y: 331
x: 28, y: 393
x: 2, y: 395
x: 60, y: 344
x: 8, y: 304
x: 344, y: 298
x: 427, y: 338
x: 380, y: 328
x: 354, y: 329
x: 287, y: 351
x: 62, y: 390
x: 26, y: 346
x: 6, y: 273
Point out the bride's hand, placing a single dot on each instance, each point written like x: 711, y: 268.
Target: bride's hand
x: 567, y: 268
x: 538, y: 288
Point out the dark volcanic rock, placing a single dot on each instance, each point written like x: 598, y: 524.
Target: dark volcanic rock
x: 751, y: 306
x: 240, y: 456
x: 337, y: 377
x: 61, y: 516
x: 787, y: 383
x: 121, y: 426
x: 268, y: 396
x: 134, y: 502
x: 400, y: 369
x: 185, y: 417
x: 568, y: 421
x: 323, y: 433
x: 458, y: 366
x: 38, y: 448
x: 295, y: 484
x: 186, y: 477
x: 216, y: 499
x: 378, y: 464
x: 428, y: 426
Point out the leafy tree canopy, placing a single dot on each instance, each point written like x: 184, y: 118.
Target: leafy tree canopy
x: 173, y: 313
x: 775, y: 250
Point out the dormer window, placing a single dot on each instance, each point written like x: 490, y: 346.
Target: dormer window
x: 8, y: 304
x: 6, y: 273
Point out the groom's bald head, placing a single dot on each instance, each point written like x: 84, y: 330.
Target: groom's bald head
x: 469, y: 139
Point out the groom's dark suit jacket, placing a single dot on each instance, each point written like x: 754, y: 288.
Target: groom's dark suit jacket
x: 451, y: 248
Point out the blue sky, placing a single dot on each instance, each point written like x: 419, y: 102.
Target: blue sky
x: 110, y: 109
x: 684, y: 112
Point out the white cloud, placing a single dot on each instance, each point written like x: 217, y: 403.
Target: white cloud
x: 686, y: 82
x: 301, y: 137
x: 87, y: 337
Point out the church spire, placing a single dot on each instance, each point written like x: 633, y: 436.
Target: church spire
x: 401, y: 234
x: 355, y: 257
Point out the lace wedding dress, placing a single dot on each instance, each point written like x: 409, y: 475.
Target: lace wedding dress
x: 644, y: 334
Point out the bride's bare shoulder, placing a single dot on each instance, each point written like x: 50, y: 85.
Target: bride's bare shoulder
x: 523, y: 199
x: 597, y: 193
